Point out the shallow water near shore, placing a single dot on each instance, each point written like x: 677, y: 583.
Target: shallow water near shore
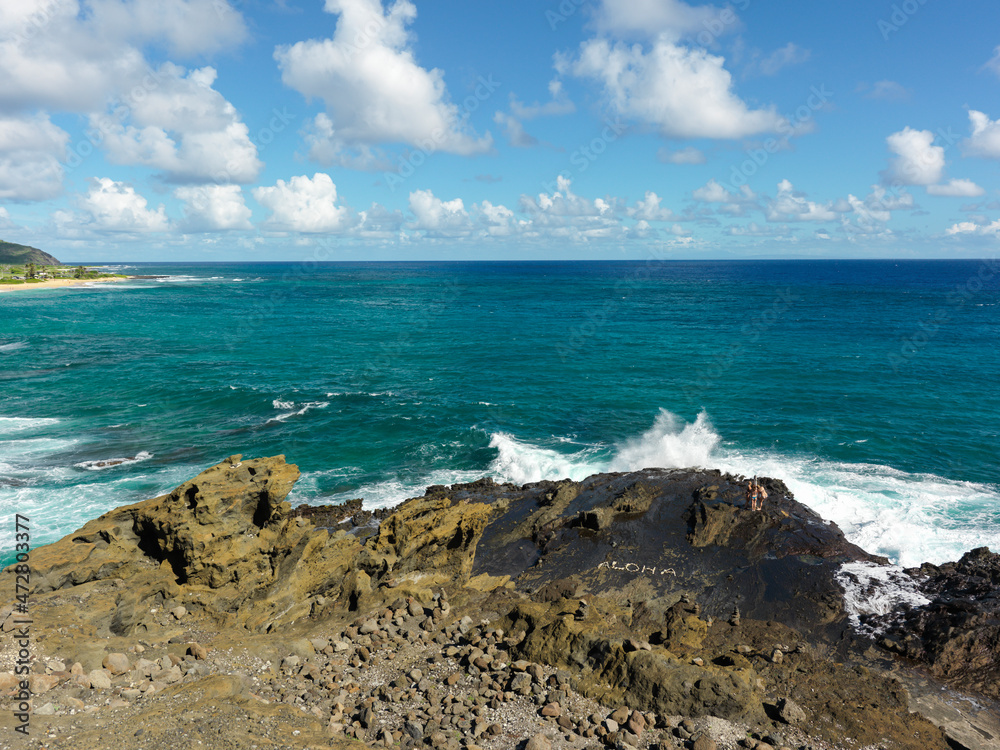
x: 867, y: 386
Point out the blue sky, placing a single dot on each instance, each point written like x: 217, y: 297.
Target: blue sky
x: 353, y: 129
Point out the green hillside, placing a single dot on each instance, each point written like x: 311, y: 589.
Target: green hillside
x: 11, y: 252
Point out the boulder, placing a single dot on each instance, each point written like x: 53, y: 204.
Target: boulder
x: 117, y: 664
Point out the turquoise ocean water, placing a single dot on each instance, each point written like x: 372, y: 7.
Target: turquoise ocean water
x: 870, y: 387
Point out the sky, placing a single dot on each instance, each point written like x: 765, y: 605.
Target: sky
x: 287, y: 130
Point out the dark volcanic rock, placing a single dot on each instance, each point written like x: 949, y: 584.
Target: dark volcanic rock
x: 349, y: 515
x: 958, y: 634
x: 654, y: 535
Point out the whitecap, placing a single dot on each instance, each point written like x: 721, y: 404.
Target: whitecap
x: 279, y: 404
x: 13, y: 347
x: 300, y: 412
x: 34, y: 447
x: 19, y: 424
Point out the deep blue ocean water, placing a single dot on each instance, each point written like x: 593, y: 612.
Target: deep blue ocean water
x: 870, y: 387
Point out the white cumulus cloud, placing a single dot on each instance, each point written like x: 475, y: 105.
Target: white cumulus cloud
x: 985, y: 138
x: 437, y: 217
x: 683, y: 92
x: 957, y: 189
x: 917, y: 160
x: 971, y: 227
x: 31, y: 152
x: 212, y: 208
x: 374, y: 90
x: 649, y: 209
x: 304, y: 204
x: 183, y: 126
x: 74, y: 54
x: 116, y: 207
x: 790, y: 205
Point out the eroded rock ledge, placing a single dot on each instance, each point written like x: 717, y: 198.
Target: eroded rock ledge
x: 655, y: 592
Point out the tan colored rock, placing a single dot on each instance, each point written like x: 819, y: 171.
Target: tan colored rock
x: 42, y: 683
x: 100, y: 679
x: 221, y: 531
x: 427, y: 533
x: 173, y: 675
x: 117, y: 663
x: 8, y: 681
x: 552, y: 709
x: 539, y: 742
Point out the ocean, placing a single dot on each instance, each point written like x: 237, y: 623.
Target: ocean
x: 869, y: 387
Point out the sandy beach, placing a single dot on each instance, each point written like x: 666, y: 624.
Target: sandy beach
x: 54, y: 283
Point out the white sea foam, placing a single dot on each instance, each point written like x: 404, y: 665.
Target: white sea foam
x: 300, y: 412
x: 279, y: 404
x: 871, y: 589
x: 669, y: 443
x: 520, y: 462
x: 113, y: 463
x: 10, y: 425
x: 33, y: 448
x: 12, y: 347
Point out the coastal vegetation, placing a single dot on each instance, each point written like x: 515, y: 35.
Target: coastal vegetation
x: 32, y: 273
x: 23, y: 264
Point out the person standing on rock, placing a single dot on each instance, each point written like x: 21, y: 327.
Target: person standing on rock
x: 755, y: 495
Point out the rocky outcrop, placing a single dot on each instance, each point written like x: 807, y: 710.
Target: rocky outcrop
x: 655, y: 592
x: 958, y: 633
x: 222, y: 541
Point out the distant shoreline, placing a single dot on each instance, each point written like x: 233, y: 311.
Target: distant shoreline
x: 54, y: 283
